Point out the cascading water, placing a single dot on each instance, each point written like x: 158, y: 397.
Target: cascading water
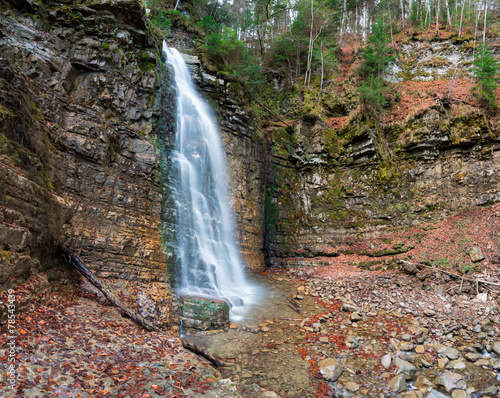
x: 208, y: 259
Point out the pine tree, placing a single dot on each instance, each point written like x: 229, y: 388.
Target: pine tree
x: 485, y: 70
x: 374, y: 93
x: 377, y: 54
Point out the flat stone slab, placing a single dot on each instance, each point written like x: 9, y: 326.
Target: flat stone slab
x: 203, y: 313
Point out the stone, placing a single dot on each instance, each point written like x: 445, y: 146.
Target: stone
x: 459, y: 394
x: 397, y: 383
x: 496, y: 347
x: 420, y: 349
x: 449, y: 352
x: 423, y: 384
x: 491, y: 390
x: 482, y: 362
x: 428, y: 312
x: 386, y: 361
x: 330, y: 369
x: 436, y: 394
x: 476, y: 254
x: 481, y: 298
x: 204, y: 314
x: 472, y: 356
x: 458, y: 364
x: 356, y: 317
x: 350, y: 308
x: 410, y: 268
x: 405, y: 368
x: 404, y: 346
x: 442, y: 362
x: 449, y: 380
x: 351, y: 386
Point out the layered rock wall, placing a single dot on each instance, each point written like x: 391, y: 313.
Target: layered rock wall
x: 79, y: 155
x: 330, y: 189
x: 87, y: 117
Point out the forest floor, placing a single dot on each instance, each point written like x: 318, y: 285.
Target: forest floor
x: 389, y: 329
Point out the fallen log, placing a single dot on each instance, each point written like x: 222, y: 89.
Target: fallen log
x: 77, y: 262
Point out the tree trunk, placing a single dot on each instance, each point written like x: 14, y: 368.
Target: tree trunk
x: 402, y: 14
x: 461, y: 19
x: 322, y: 75
x: 437, y: 18
x: 448, y: 13
x: 485, y: 16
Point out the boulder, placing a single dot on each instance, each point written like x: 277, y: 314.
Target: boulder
x: 330, y: 368
x: 397, y: 383
x: 405, y: 368
x: 204, y: 313
x: 476, y: 254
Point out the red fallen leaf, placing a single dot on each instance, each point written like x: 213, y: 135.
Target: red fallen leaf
x: 22, y: 331
x: 209, y: 380
x: 89, y: 377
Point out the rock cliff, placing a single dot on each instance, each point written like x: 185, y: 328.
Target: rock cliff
x: 86, y: 122
x: 340, y: 179
x: 79, y: 163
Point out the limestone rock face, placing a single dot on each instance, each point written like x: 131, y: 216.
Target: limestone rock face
x: 329, y: 188
x: 78, y: 159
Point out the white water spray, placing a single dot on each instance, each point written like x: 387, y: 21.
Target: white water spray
x: 208, y: 258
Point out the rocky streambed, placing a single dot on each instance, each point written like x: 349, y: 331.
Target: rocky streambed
x: 364, y: 334
x: 322, y: 332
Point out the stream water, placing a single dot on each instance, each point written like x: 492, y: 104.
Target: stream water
x: 208, y: 260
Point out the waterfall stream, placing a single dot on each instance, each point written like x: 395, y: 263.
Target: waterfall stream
x: 208, y: 260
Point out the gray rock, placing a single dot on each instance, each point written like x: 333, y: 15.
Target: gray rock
x: 351, y: 386
x: 423, y: 384
x: 491, y: 390
x: 386, y: 361
x: 428, y: 312
x: 355, y: 317
x: 449, y: 352
x: 472, y: 356
x: 476, y: 254
x: 330, y: 368
x: 397, y: 383
x: 405, y: 368
x: 496, y: 347
x: 350, y: 308
x: 459, y: 394
x: 449, y: 380
x: 436, y: 394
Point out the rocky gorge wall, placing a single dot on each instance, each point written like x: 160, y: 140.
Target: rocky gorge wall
x: 86, y: 117
x: 339, y: 179
x: 82, y: 168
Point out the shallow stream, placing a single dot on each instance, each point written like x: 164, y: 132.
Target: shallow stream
x: 262, y: 348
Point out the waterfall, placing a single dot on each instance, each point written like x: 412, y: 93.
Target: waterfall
x: 208, y: 260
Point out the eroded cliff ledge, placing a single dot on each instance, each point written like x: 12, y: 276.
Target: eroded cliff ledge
x: 79, y: 163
